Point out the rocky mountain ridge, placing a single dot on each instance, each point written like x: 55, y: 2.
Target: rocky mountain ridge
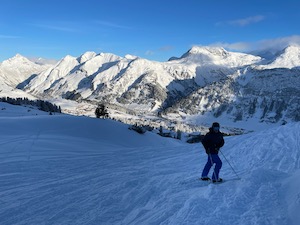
x: 204, y: 80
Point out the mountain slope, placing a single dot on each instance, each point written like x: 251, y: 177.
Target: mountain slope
x: 217, y: 56
x: 204, y: 81
x: 134, y: 81
x: 288, y: 58
x: 80, y: 170
x: 15, y: 73
x: 267, y: 95
x: 18, y: 69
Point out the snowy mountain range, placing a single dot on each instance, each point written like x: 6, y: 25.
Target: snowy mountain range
x: 204, y: 82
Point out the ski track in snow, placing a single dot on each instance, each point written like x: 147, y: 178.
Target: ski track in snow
x: 48, y: 176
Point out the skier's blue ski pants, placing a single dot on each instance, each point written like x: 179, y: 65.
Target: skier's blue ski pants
x: 211, y: 159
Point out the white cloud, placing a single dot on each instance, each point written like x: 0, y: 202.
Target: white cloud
x: 247, y: 21
x: 238, y: 46
x: 149, y: 52
x: 110, y: 24
x: 166, y: 48
x: 272, y: 45
x: 64, y: 28
x: 243, y: 21
x: 278, y: 43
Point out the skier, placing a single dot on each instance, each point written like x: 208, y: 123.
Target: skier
x: 212, y: 142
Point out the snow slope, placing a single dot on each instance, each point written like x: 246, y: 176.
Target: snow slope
x: 64, y: 169
x: 17, y: 69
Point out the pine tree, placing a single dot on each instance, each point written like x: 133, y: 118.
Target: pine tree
x: 101, y: 111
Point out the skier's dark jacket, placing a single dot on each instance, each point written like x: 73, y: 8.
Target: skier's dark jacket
x: 213, y: 141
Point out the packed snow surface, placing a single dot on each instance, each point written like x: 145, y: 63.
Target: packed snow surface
x: 64, y: 169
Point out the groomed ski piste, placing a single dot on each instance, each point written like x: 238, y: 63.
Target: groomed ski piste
x: 61, y: 169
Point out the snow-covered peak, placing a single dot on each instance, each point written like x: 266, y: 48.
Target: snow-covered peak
x: 96, y: 62
x: 68, y: 61
x: 86, y: 56
x: 18, y: 68
x: 20, y: 59
x: 217, y: 56
x: 292, y: 49
x: 131, y: 57
x: 17, y: 60
x: 52, y: 74
x: 206, y: 50
x: 288, y: 58
x: 110, y: 57
x: 17, y: 56
x: 67, y: 58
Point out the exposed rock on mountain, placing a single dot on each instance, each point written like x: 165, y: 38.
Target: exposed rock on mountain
x: 204, y: 80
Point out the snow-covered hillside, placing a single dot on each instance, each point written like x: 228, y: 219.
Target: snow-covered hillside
x: 64, y: 169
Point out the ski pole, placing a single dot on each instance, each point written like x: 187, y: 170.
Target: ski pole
x: 230, y: 165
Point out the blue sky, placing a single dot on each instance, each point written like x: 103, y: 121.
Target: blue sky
x: 155, y: 30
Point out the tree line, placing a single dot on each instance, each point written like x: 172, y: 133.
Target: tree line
x: 40, y: 104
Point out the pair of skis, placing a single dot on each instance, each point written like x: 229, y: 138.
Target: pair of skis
x: 219, y: 182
